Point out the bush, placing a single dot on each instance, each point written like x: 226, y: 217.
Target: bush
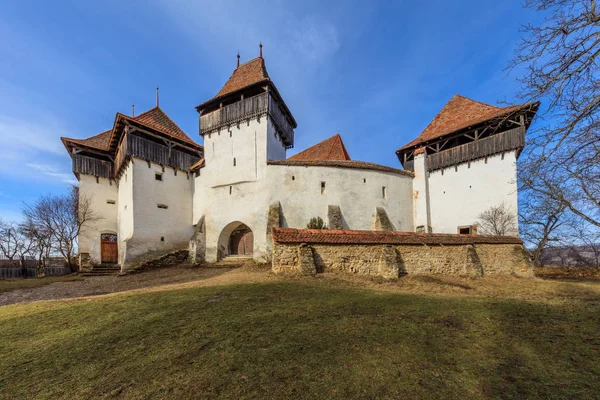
x: 316, y: 223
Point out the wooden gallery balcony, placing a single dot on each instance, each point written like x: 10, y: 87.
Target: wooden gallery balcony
x: 261, y: 104
x: 513, y: 139
x: 149, y: 150
x: 92, y: 166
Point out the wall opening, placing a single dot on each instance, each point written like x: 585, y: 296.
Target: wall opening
x: 162, y: 206
x: 384, y: 192
x: 236, y: 239
x: 158, y: 176
x: 322, y: 187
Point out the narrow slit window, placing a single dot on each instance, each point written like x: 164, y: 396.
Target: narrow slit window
x: 322, y: 187
x: 293, y: 178
x: 230, y: 189
x: 163, y: 206
x: 111, y: 202
x: 384, y: 192
x: 234, y: 163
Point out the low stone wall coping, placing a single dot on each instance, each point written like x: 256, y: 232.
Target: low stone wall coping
x: 330, y: 236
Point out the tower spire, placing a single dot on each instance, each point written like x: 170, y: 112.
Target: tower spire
x: 133, y: 110
x: 238, y: 61
x: 157, y: 96
x: 260, y: 45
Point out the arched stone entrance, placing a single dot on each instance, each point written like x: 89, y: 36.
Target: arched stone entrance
x: 236, y: 239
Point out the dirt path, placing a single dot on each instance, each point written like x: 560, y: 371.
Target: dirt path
x: 153, y: 280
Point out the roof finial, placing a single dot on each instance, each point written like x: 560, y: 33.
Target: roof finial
x: 260, y: 45
x: 133, y: 110
x: 157, y: 96
x: 238, y: 57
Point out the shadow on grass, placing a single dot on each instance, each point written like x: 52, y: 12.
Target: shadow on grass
x: 290, y: 340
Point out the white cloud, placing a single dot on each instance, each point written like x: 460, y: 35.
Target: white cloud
x: 54, y: 172
x: 315, y: 38
x: 16, y: 135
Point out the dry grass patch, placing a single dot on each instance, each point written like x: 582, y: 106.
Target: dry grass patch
x: 421, y: 337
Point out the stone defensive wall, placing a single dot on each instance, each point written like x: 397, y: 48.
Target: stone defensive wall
x: 392, y: 254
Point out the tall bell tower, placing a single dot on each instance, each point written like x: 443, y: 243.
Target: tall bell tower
x: 246, y: 124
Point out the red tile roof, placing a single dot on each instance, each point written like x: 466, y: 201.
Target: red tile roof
x: 198, y: 165
x: 155, y: 119
x: 329, y: 236
x: 101, y: 141
x: 460, y: 113
x: 341, y: 164
x: 247, y: 74
x: 329, y: 149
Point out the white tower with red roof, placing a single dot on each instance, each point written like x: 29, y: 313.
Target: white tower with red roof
x: 465, y: 162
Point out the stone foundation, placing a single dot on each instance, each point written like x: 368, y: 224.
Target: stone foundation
x: 460, y: 255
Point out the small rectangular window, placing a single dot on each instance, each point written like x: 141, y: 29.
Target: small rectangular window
x: 163, y: 206
x: 322, y: 187
x: 384, y: 192
x: 234, y: 161
x: 230, y: 189
x: 158, y: 176
x: 111, y: 202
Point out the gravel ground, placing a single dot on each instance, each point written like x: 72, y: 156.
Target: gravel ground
x: 158, y: 279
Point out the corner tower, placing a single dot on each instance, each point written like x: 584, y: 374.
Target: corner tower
x: 465, y: 162
x: 245, y: 125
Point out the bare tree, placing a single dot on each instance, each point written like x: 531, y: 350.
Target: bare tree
x: 498, y: 220
x: 40, y: 239
x: 63, y: 217
x: 585, y: 244
x: 560, y: 59
x: 13, y: 243
x: 543, y: 221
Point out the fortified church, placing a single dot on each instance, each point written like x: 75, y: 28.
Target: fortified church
x: 156, y: 190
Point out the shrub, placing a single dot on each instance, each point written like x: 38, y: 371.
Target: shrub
x: 316, y: 223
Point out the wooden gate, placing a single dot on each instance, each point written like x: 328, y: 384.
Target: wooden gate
x: 109, y: 251
x: 241, y: 242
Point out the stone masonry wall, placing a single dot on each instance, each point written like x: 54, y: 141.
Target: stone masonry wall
x: 394, y: 260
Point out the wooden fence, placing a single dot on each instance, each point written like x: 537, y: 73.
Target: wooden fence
x: 29, y: 267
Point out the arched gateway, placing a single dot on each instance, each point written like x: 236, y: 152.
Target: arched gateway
x: 236, y: 239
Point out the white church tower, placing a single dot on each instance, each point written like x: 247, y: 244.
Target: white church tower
x: 465, y: 161
x: 245, y: 125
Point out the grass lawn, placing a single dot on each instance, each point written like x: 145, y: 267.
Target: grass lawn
x: 302, y: 339
x: 13, y: 284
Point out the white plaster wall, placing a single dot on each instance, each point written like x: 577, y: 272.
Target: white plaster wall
x: 301, y: 197
x: 225, y: 193
x: 151, y: 223
x: 459, y: 196
x: 125, y: 210
x: 98, y: 192
x: 421, y: 201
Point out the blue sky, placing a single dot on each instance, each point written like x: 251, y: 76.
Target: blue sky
x: 377, y: 72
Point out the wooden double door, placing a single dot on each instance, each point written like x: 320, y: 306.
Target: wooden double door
x: 241, y: 242
x: 109, y: 249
